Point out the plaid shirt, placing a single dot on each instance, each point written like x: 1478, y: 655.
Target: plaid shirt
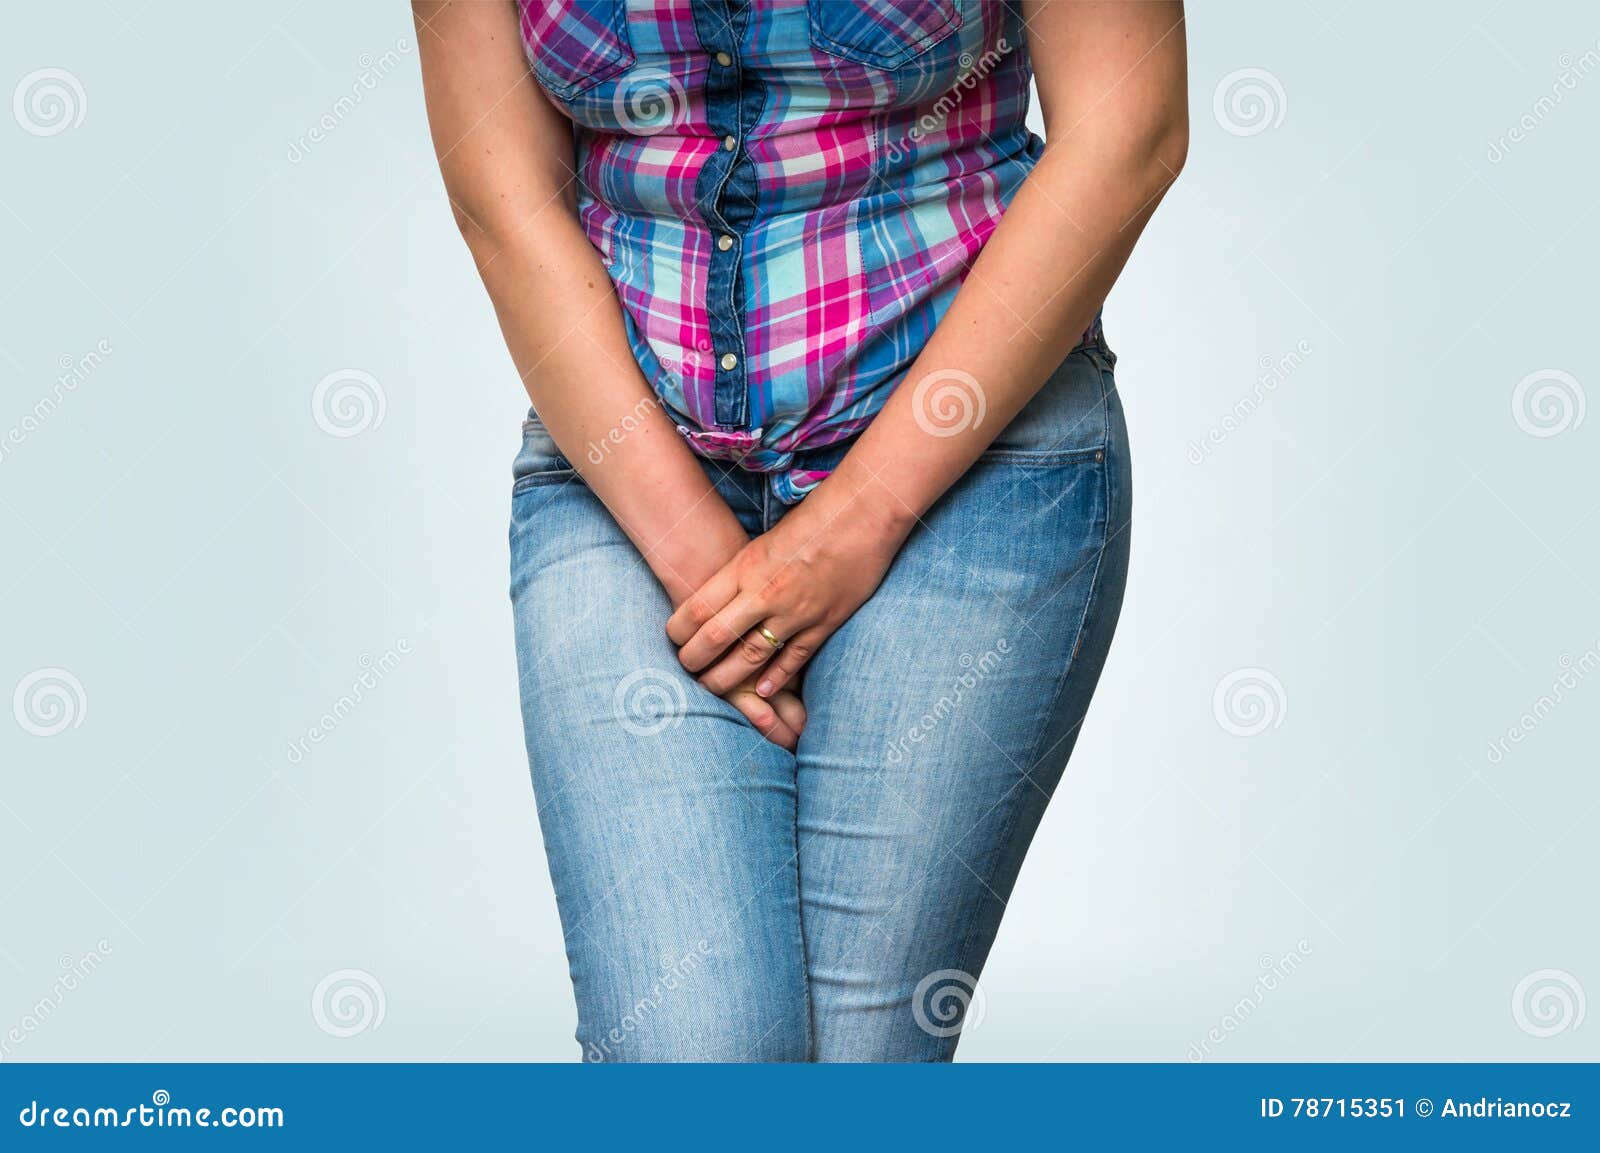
x: 787, y: 194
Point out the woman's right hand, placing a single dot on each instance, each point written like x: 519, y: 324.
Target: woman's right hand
x: 686, y: 556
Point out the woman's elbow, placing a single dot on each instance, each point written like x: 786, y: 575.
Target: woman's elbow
x: 1169, y: 146
x: 1141, y: 157
x: 491, y: 226
x: 1152, y: 149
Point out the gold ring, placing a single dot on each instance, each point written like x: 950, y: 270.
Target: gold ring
x: 771, y: 640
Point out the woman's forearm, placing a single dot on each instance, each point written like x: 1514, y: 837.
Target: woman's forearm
x: 1012, y: 322
x: 563, y: 325
x: 506, y: 156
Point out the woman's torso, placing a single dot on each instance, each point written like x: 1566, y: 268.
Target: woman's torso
x: 787, y: 193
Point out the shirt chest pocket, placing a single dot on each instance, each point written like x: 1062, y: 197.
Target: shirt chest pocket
x: 883, y: 34
x: 575, y: 44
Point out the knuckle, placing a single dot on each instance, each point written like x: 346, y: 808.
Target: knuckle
x: 797, y: 653
x: 718, y: 633
x: 755, y: 650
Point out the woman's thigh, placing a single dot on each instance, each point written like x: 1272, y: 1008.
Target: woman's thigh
x: 942, y: 715
x: 669, y: 823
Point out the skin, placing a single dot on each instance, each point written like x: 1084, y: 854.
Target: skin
x: 1112, y: 81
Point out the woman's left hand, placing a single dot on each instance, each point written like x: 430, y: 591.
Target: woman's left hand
x: 800, y: 582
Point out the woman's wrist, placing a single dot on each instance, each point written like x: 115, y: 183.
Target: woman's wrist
x: 856, y: 507
x: 694, y: 549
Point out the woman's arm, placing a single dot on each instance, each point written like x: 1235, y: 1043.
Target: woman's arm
x: 1112, y: 85
x: 506, y: 154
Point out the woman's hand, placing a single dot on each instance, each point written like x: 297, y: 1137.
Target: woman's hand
x: 799, y: 582
x: 780, y: 718
x: 694, y: 548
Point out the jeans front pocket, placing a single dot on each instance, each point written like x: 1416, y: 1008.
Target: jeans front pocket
x: 1075, y: 414
x: 539, y: 461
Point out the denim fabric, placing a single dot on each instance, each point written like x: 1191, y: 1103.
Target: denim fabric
x: 724, y: 899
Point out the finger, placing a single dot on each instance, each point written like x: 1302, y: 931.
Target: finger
x: 724, y: 630
x: 709, y: 599
x: 790, y: 659
x: 764, y: 718
x: 742, y: 661
x: 791, y: 710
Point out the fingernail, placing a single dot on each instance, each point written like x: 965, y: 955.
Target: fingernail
x: 764, y: 688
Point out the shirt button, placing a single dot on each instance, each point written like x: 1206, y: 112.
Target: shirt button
x: 724, y: 243
x: 724, y: 59
x: 729, y: 143
x: 729, y: 362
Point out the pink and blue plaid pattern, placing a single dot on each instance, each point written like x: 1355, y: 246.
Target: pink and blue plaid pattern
x: 787, y: 194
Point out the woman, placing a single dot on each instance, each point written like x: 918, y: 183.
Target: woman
x: 822, y: 409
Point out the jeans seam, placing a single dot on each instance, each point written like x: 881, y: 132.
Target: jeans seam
x: 1043, y: 456
x: 800, y: 930
x: 542, y: 479
x: 1055, y: 699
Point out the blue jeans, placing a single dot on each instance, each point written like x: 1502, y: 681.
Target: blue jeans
x: 724, y: 899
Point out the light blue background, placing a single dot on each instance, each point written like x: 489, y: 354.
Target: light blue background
x: 1381, y: 534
